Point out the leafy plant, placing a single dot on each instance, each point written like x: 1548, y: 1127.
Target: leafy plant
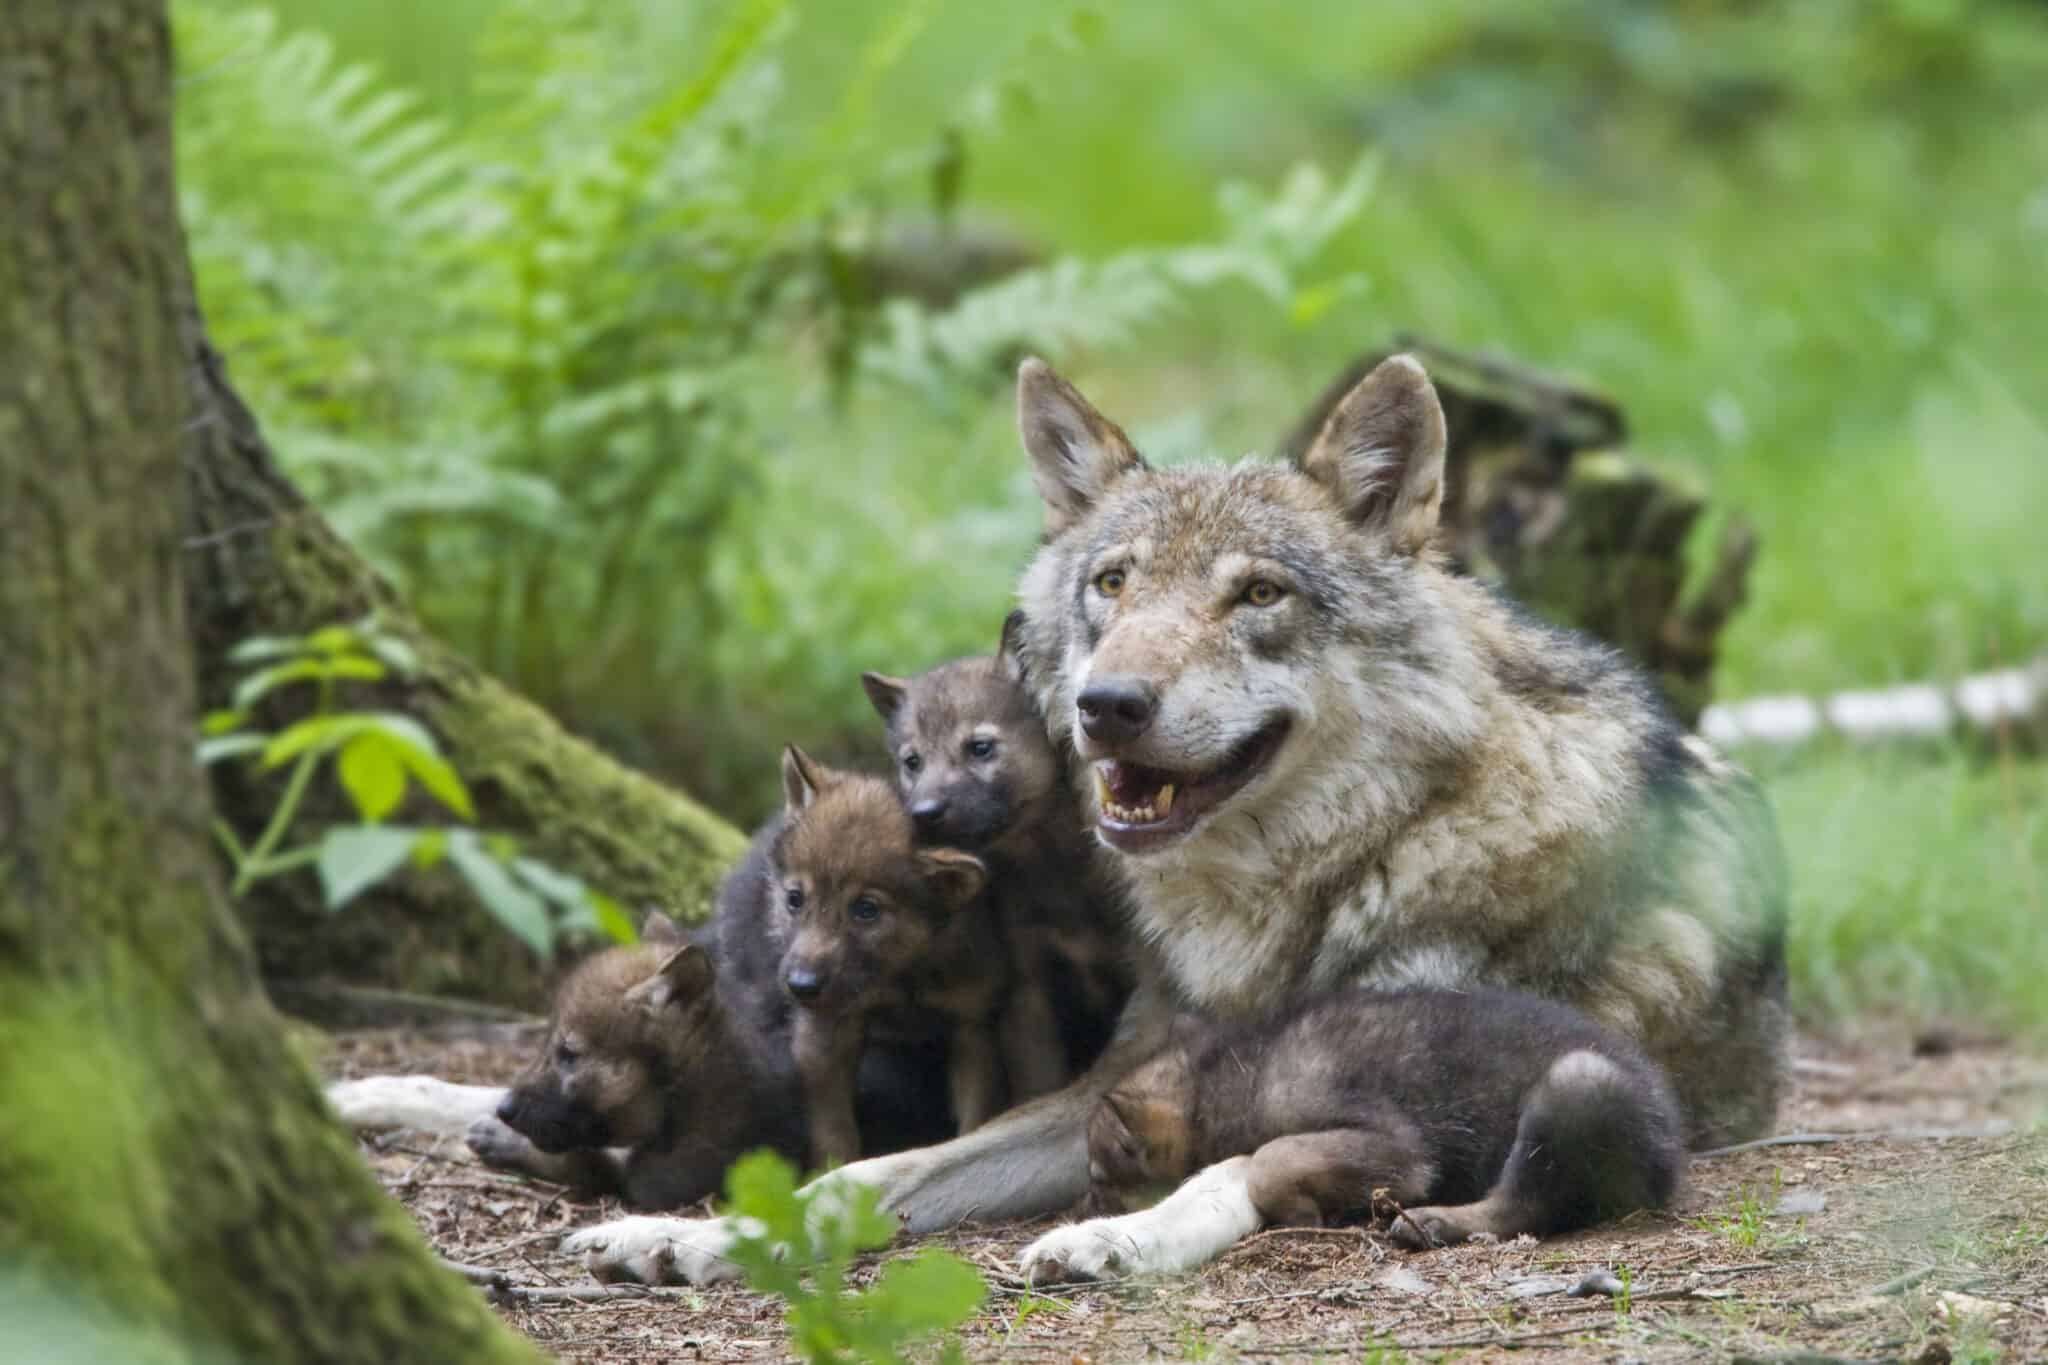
x: 377, y: 758
x: 800, y: 1244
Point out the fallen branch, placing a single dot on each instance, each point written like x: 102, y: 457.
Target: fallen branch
x: 1992, y: 1129
x: 499, y: 1287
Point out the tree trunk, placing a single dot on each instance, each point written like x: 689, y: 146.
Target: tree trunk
x: 168, y: 1174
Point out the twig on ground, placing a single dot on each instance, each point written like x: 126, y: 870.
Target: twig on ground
x: 1995, y: 1128
x: 1899, y: 1284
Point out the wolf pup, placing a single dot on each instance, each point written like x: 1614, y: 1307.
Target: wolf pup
x: 886, y: 943
x: 1506, y: 1112
x: 976, y: 771
x: 650, y: 1084
x: 1322, y: 759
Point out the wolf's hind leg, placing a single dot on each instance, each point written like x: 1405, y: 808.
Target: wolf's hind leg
x: 1596, y: 1139
x: 1308, y: 1179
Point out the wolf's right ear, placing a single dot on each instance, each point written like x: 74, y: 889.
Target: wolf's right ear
x: 1382, y: 454
x: 659, y: 928
x: 684, y: 974
x: 958, y: 877
x: 802, y: 779
x: 1076, y: 452
x: 886, y: 693
x: 1010, y: 648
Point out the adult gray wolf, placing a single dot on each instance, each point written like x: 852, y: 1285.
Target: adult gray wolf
x: 1508, y: 1113
x: 1323, y: 759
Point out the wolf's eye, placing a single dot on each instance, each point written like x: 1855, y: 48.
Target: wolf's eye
x: 1263, y: 592
x: 794, y: 898
x: 864, y: 909
x: 911, y: 763
x: 980, y: 748
x: 1109, y: 582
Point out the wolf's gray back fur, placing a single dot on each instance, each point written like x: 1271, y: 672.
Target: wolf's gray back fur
x: 1462, y: 795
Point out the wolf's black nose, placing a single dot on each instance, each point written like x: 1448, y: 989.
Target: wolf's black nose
x: 508, y: 1106
x: 1117, y: 710
x: 928, y: 814
x: 804, y: 985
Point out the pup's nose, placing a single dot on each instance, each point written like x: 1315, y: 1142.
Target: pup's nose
x: 1117, y: 710
x: 928, y: 813
x: 507, y: 1105
x: 803, y: 984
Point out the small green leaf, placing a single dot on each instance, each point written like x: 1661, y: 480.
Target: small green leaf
x: 559, y: 887
x: 354, y: 857
x: 611, y: 917
x: 256, y: 685
x: 435, y: 774
x: 259, y: 647
x: 322, y: 732
x: 220, y: 722
x: 501, y: 846
x: 371, y: 768
x: 227, y: 746
x: 333, y: 640
x: 512, y: 904
x: 429, y: 848
x: 928, y: 1292
x: 404, y: 661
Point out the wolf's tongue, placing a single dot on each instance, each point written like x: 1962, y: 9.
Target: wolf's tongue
x: 1130, y: 784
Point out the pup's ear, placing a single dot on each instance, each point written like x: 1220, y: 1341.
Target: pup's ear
x: 1010, y: 648
x: 659, y: 928
x: 1076, y: 452
x: 803, y: 777
x: 958, y: 877
x: 886, y: 693
x: 1381, y: 454
x: 683, y: 975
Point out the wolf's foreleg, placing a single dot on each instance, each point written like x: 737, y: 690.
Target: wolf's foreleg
x: 425, y: 1103
x: 1212, y: 1212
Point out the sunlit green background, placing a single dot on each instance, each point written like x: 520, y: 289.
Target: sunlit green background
x: 576, y: 344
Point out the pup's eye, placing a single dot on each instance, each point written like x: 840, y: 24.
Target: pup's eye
x: 565, y: 1054
x: 911, y: 763
x: 980, y: 748
x: 794, y: 898
x: 1263, y: 592
x: 1109, y: 582
x: 864, y: 909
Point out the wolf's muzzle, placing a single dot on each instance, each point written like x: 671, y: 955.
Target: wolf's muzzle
x: 1117, y: 710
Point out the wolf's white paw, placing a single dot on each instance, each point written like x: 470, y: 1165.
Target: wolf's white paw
x: 657, y: 1250
x: 426, y: 1103
x: 497, y: 1143
x: 1095, y: 1250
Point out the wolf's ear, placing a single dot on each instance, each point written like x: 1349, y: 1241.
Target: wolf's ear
x: 659, y: 928
x: 886, y: 693
x: 1010, y: 648
x: 1076, y: 452
x: 1382, y: 454
x: 803, y: 777
x: 958, y: 877
x: 684, y: 974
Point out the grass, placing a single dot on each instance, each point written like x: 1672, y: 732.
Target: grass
x: 1833, y: 323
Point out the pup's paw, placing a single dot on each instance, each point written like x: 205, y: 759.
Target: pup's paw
x: 497, y: 1143
x: 648, y: 1250
x: 1093, y: 1250
x: 1425, y: 1229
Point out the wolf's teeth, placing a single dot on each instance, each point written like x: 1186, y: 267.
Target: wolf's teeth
x: 1163, y: 802
x: 1102, y: 792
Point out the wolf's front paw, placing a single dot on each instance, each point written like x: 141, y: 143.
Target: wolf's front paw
x: 497, y: 1143
x: 1094, y: 1250
x: 656, y: 1250
x: 425, y: 1103
x: 1426, y: 1229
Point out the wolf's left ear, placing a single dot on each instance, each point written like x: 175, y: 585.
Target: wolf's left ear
x: 802, y: 779
x: 1076, y: 453
x: 957, y: 876
x: 1010, y: 648
x: 684, y: 974
x: 885, y: 692
x: 659, y: 928
x: 1382, y: 454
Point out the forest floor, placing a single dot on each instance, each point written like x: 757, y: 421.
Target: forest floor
x: 1906, y: 1218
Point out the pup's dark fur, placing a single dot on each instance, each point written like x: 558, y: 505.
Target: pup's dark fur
x: 882, y: 942
x: 977, y: 771
x: 649, y: 1052
x: 1502, y: 1112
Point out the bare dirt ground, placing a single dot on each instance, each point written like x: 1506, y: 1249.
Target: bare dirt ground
x: 1910, y: 1224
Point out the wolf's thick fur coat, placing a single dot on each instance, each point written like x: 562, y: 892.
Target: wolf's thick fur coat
x: 1384, y: 775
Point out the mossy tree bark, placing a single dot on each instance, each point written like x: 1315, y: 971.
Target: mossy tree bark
x: 164, y: 1157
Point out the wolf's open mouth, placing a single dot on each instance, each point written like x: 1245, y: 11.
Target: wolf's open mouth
x: 1143, y: 808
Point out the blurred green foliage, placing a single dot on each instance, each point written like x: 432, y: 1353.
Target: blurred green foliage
x: 587, y: 343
